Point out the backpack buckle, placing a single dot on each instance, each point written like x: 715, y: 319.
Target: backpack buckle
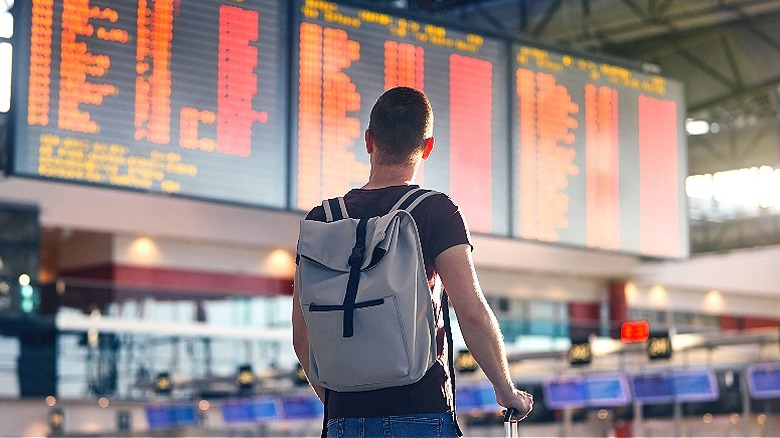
x: 357, y: 256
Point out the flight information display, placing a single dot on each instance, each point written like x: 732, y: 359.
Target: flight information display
x: 172, y: 96
x: 599, y: 154
x: 265, y: 103
x: 349, y: 56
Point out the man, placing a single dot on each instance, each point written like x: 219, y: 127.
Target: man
x: 399, y: 136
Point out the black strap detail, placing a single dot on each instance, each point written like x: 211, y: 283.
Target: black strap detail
x: 355, y: 262
x: 376, y: 256
x: 324, y: 433
x: 329, y: 308
x: 335, y: 209
x: 445, y: 307
x: 349, y: 305
x: 509, y: 413
x: 408, y: 201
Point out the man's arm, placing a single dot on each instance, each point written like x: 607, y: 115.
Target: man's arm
x: 478, y: 325
x: 301, y: 339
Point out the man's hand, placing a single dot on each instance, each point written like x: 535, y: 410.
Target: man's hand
x: 520, y: 400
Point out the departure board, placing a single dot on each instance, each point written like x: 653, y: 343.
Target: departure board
x: 599, y: 155
x: 172, y: 96
x: 265, y: 103
x: 348, y: 56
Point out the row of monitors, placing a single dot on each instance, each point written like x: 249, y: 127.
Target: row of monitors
x: 689, y: 385
x: 470, y: 399
x: 264, y: 103
x: 243, y: 410
x: 595, y: 390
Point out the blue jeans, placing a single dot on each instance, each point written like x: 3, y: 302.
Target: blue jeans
x: 412, y: 425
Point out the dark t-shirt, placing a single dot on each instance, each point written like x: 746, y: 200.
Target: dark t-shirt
x: 441, y: 226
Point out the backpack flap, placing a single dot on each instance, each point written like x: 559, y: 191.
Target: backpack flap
x: 329, y: 243
x: 326, y: 243
x: 393, y: 341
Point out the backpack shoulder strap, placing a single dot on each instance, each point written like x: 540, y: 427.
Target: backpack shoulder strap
x: 335, y: 209
x: 412, y: 198
x: 445, y: 304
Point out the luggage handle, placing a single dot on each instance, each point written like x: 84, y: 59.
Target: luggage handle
x: 511, y: 423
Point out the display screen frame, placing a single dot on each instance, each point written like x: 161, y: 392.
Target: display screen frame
x: 677, y: 386
x: 579, y: 239
x: 279, y: 107
x: 500, y: 164
x: 756, y: 389
x: 587, y: 391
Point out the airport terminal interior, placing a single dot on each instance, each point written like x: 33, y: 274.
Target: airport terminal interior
x: 617, y: 162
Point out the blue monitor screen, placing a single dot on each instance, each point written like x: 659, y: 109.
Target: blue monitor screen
x: 237, y: 411
x: 265, y: 410
x: 565, y: 393
x: 171, y: 416
x: 697, y: 386
x: 250, y: 410
x: 607, y: 390
x: 680, y: 385
x: 302, y: 408
x: 652, y: 388
x: 593, y: 390
x: 764, y: 380
x: 476, y: 398
x: 185, y: 415
x: 159, y: 416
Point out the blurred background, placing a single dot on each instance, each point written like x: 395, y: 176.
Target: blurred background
x: 617, y: 162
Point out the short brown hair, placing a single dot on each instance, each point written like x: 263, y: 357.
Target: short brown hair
x: 401, y: 120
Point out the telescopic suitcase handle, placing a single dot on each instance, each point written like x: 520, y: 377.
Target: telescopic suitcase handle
x: 511, y: 423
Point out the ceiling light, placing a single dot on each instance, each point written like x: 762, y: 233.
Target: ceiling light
x: 697, y: 127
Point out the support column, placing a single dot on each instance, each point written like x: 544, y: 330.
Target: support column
x: 618, y: 307
x: 584, y: 319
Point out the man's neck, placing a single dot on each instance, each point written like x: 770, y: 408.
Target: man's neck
x: 386, y: 176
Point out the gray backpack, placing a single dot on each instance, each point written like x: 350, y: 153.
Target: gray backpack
x: 365, y: 298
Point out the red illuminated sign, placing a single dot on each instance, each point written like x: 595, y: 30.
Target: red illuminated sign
x: 634, y: 331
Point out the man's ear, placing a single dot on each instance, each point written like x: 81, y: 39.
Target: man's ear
x: 369, y: 137
x: 427, y: 149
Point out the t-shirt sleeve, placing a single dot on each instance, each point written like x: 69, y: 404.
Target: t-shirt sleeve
x: 447, y: 227
x: 316, y: 214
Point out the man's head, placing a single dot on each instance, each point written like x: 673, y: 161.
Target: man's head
x: 401, y: 125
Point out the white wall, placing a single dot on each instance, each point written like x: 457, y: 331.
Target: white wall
x: 527, y: 285
x: 745, y: 271
x: 711, y: 302
x: 79, y: 207
x: 178, y: 254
